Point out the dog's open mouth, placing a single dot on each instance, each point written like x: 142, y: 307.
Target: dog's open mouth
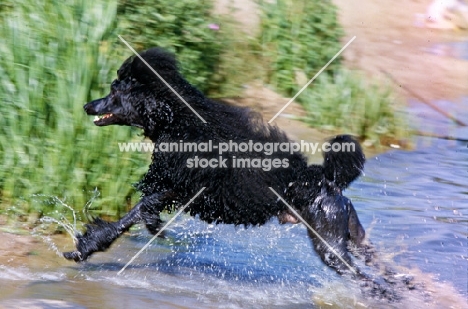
x: 105, y: 119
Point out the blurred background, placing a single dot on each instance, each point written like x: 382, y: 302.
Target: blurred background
x: 402, y: 83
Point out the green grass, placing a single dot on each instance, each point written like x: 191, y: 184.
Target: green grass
x: 298, y: 38
x: 348, y: 102
x: 183, y: 27
x: 54, y: 59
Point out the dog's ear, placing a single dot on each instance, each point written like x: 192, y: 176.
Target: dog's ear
x: 162, y: 61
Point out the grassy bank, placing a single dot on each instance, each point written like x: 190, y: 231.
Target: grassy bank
x: 53, y: 61
x: 350, y: 102
x: 298, y: 38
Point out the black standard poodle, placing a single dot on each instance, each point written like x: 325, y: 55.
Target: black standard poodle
x: 237, y: 188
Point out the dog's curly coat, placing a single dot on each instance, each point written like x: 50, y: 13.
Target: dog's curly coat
x: 233, y: 195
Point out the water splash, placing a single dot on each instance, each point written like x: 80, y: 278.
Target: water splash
x: 88, y: 204
x: 51, y: 223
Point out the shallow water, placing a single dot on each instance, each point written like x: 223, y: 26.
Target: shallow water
x: 450, y: 49
x: 413, y: 204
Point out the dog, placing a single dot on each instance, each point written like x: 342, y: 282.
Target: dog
x: 238, y: 195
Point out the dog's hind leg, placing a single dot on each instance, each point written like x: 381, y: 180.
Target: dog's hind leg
x: 101, y: 234
x: 335, y: 224
x: 328, y: 218
x: 357, y: 243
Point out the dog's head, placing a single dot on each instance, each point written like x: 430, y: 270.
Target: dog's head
x: 133, y: 98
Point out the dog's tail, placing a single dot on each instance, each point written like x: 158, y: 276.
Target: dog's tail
x: 344, y: 161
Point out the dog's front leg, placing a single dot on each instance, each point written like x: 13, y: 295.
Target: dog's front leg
x: 101, y: 234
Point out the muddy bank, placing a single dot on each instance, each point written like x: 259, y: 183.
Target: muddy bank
x: 24, y: 249
x: 14, y: 247
x: 388, y: 39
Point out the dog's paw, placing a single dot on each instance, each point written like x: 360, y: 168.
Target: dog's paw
x: 99, y: 236
x: 82, y: 252
x: 73, y: 255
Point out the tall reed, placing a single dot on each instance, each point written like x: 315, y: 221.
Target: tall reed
x: 55, y: 58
